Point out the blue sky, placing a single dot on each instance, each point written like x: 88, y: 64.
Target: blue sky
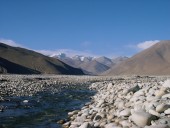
x: 92, y: 27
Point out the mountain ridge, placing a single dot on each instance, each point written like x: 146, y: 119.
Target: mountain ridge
x: 90, y: 65
x: 35, y: 61
x: 152, y: 61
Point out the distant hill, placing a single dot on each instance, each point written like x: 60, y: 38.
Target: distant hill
x: 90, y: 65
x: 30, y: 62
x: 94, y: 67
x: 152, y: 61
x: 104, y: 60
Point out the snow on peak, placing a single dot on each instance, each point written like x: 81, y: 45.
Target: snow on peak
x: 82, y: 58
x: 59, y: 55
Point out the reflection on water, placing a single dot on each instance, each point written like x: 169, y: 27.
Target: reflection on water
x: 42, y: 110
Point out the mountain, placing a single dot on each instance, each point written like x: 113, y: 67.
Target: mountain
x: 30, y: 62
x: 10, y: 67
x: 82, y: 58
x: 152, y: 61
x: 119, y: 59
x: 60, y: 56
x: 90, y: 65
x: 104, y: 60
x: 94, y: 67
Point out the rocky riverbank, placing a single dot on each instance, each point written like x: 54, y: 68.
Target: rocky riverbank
x: 118, y: 102
x: 27, y: 85
x: 40, y: 101
x: 136, y: 102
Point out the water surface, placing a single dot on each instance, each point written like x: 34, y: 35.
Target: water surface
x: 43, y: 109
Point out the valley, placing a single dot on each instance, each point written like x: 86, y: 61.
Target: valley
x: 84, y: 64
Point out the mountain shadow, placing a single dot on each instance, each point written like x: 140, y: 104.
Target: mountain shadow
x: 35, y: 61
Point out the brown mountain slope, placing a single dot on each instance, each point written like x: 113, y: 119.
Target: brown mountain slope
x: 152, y: 61
x: 9, y: 67
x: 90, y: 67
x: 36, y: 61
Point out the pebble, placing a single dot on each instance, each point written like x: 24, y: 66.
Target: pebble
x: 125, y: 112
x: 134, y: 89
x: 158, y: 126
x: 97, y: 118
x: 61, y: 121
x: 142, y: 118
x: 110, y: 125
x: 166, y: 84
x: 161, y: 92
x: 85, y: 125
x: 162, y: 107
x: 153, y: 112
x: 166, y: 96
x: 167, y: 111
x: 25, y: 101
x: 100, y: 103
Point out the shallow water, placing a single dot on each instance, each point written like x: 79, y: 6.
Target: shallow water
x: 42, y: 110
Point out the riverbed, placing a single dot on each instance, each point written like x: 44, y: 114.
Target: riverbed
x: 40, y: 101
x: 43, y: 109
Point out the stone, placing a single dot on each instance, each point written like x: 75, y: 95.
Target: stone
x: 134, y: 126
x: 121, y: 105
x: 80, y: 119
x: 61, y: 121
x: 166, y: 84
x: 134, y: 89
x: 97, y: 118
x: 102, y: 124
x: 110, y: 85
x: 25, y: 101
x: 158, y: 126
x: 110, y: 116
x: 166, y: 96
x: 85, y: 125
x: 125, y: 123
x: 139, y: 93
x: 73, y: 126
x: 125, y: 112
x: 110, y: 125
x: 100, y: 103
x: 142, y: 118
x: 153, y: 112
x: 161, y: 92
x: 66, y: 124
x: 97, y: 124
x: 150, y: 98
x: 162, y: 107
x: 73, y: 112
x: 167, y: 111
x: 165, y: 120
x: 76, y: 123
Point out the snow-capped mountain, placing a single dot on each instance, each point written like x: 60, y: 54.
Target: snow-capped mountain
x: 104, y: 60
x: 76, y: 57
x: 59, y: 55
x: 82, y: 58
x: 90, y: 65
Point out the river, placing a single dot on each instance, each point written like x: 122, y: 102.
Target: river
x: 42, y: 110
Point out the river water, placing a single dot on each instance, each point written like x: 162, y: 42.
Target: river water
x: 41, y: 110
